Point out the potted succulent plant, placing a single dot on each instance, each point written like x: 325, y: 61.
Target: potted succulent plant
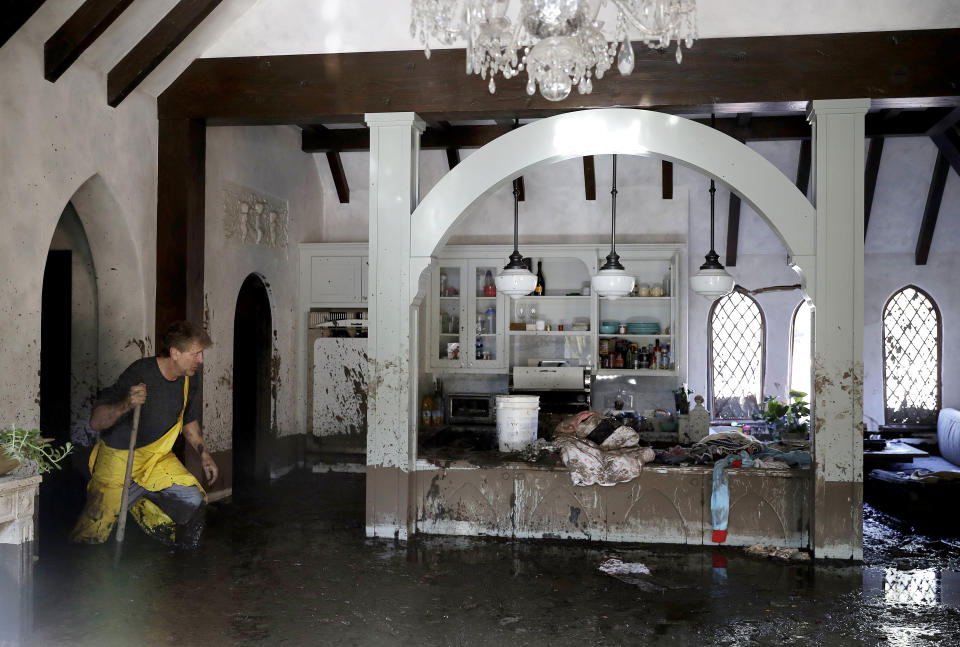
x: 19, y: 446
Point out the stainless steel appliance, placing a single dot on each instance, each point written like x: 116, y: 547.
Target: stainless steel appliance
x: 562, y: 389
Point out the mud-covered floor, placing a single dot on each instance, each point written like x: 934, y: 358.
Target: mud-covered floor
x: 293, y: 568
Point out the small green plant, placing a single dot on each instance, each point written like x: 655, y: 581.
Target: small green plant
x: 792, y: 417
x: 681, y: 399
x: 24, y: 446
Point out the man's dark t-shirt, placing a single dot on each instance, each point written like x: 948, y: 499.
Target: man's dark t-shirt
x: 158, y: 414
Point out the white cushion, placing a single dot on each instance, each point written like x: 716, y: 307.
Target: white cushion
x: 948, y: 435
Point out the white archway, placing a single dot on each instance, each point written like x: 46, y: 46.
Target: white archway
x: 614, y: 130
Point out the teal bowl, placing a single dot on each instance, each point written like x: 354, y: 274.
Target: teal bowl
x: 606, y: 329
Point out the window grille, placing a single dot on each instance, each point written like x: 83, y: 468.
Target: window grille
x: 736, y: 356
x: 911, y: 358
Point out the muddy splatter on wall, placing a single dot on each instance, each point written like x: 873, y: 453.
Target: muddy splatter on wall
x: 264, y: 169
x: 339, y: 398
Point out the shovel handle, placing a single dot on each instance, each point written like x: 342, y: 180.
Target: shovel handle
x: 125, y: 497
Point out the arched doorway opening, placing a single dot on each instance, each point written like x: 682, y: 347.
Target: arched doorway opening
x: 252, y: 352
x: 69, y: 358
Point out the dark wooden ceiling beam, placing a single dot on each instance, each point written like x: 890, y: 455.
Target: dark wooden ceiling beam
x: 756, y: 74
x: 339, y: 177
x: 947, y: 138
x: 14, y: 15
x: 589, y: 178
x: 871, y: 170
x: 803, y: 167
x: 932, y: 209
x: 453, y: 153
x: 666, y: 179
x: 78, y: 33
x: 733, y: 231
x: 156, y: 46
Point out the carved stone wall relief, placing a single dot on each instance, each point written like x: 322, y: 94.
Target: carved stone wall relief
x: 253, y: 218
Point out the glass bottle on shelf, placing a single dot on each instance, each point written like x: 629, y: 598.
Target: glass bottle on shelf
x: 491, y: 320
x: 541, y: 285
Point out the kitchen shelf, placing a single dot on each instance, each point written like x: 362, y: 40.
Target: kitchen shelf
x: 554, y: 297
x: 450, y: 298
x: 644, y: 372
x: 629, y: 336
x: 549, y: 332
x: 651, y: 299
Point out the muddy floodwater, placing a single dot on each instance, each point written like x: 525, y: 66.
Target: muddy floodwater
x: 292, y: 567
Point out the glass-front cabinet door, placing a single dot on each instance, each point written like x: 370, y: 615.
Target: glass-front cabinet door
x: 466, y: 316
x: 483, y: 330
x: 447, y: 315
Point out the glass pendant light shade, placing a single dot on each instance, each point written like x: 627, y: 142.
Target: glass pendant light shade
x: 712, y: 281
x: 515, y: 280
x: 612, y: 281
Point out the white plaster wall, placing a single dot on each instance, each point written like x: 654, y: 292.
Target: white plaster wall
x: 60, y: 141
x: 310, y: 27
x: 84, y: 380
x: 267, y: 160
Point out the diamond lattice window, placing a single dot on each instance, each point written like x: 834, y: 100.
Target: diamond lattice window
x: 911, y: 358
x: 736, y: 349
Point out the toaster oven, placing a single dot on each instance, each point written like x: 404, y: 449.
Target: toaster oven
x: 470, y: 409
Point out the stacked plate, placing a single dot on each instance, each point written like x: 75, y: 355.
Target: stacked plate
x: 643, y: 328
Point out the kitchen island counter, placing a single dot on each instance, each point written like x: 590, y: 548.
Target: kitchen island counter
x: 489, y: 493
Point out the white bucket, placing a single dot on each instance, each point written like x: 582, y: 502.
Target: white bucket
x: 516, y: 421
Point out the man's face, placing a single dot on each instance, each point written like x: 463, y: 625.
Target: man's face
x: 188, y: 361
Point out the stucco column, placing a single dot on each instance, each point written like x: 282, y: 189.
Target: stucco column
x: 837, y: 523
x: 394, y: 153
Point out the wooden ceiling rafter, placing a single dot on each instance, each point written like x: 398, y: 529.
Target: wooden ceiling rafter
x: 334, y: 162
x: 589, y: 178
x: 453, y: 153
x: 80, y: 31
x: 871, y: 170
x: 14, y: 15
x: 946, y: 135
x: 153, y: 48
x: 666, y: 180
x: 931, y: 210
x: 733, y: 230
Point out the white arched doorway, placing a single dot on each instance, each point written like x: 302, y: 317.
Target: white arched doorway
x: 623, y: 131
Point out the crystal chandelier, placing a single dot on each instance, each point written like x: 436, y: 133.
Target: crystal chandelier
x: 559, y: 42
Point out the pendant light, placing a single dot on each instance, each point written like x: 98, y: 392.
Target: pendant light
x: 515, y: 280
x: 612, y: 281
x: 712, y: 281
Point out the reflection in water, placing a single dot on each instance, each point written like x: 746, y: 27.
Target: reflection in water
x: 920, y: 587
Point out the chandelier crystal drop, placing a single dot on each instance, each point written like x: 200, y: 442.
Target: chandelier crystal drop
x: 561, y: 43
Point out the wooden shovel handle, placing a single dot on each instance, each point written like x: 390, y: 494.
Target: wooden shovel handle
x: 125, y: 497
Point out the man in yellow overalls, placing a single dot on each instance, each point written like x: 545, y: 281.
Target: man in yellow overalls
x: 165, y: 499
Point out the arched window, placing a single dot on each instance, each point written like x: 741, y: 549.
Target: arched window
x: 801, y: 340
x: 736, y: 336
x: 911, y: 358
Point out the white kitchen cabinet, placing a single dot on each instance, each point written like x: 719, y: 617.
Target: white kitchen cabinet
x: 334, y: 274
x: 466, y: 322
x: 454, y: 306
